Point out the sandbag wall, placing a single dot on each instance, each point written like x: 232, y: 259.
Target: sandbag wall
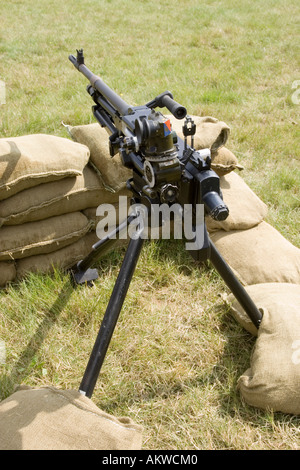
x: 269, y: 267
x: 45, y: 186
x: 50, y: 188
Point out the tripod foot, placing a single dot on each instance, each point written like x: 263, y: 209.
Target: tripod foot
x: 81, y: 276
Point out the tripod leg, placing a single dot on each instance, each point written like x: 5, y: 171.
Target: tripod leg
x: 235, y: 286
x: 111, y: 316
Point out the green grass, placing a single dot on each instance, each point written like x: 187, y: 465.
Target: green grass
x: 176, y: 354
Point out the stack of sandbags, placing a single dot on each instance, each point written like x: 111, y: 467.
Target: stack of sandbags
x: 273, y: 378
x: 45, y: 185
x: 268, y: 266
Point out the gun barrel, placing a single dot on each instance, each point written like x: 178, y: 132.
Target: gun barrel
x: 114, y: 99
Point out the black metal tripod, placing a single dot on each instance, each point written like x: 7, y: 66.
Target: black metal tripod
x: 83, y: 273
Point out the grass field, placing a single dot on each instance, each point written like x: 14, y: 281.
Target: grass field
x: 176, y: 354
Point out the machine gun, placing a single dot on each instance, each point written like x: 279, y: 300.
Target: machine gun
x: 165, y: 170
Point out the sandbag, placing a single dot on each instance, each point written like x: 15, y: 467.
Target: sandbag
x: 42, y: 236
x: 223, y: 161
x: 258, y: 255
x: 246, y: 209
x: 63, y: 258
x: 53, y: 419
x: 272, y: 296
x: 118, y: 216
x: 27, y: 161
x: 213, y: 134
x: 210, y: 132
x: 55, y: 198
x: 273, y: 379
x: 111, y: 170
x: 8, y: 272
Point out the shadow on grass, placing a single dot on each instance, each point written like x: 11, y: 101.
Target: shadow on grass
x: 21, y: 368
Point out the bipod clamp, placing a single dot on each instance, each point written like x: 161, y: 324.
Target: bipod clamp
x: 83, y: 276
